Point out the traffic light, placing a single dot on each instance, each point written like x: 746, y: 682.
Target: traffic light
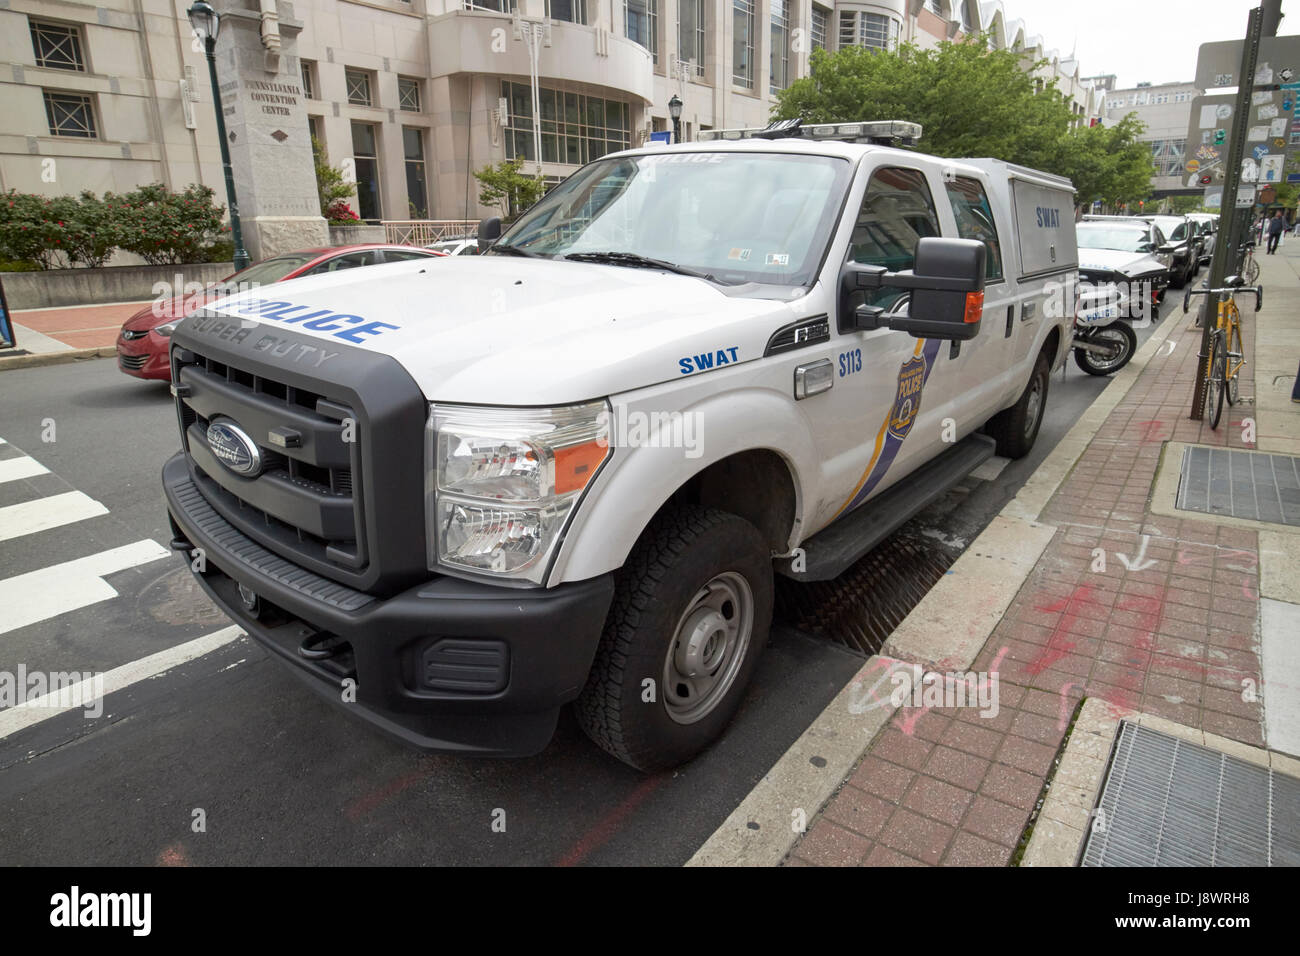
x: 1142, y: 205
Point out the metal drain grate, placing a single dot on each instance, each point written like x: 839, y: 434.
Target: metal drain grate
x: 1167, y: 802
x: 1240, y: 484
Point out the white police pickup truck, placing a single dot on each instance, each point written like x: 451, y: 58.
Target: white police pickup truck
x: 458, y: 495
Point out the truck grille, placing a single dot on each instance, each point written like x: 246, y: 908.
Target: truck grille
x: 302, y: 503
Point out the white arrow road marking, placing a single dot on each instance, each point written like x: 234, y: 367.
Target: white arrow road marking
x: 49, y: 592
x: 1171, y: 343
x: 44, y: 513
x: 11, y: 469
x: 1140, y: 563
x: 34, y: 711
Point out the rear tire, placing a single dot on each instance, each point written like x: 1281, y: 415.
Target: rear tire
x: 691, y: 612
x: 1233, y: 390
x: 1125, y: 341
x: 1015, y: 428
x: 1214, y: 380
x: 1251, y: 272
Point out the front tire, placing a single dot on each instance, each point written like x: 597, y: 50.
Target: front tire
x: 691, y: 612
x: 1015, y: 428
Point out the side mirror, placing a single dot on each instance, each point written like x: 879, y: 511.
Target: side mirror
x: 1169, y: 247
x: 489, y: 231
x: 947, y: 286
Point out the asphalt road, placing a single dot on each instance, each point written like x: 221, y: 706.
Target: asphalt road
x: 274, y: 774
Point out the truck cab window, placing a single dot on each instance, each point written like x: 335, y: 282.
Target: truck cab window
x: 897, y: 212
x: 970, y: 207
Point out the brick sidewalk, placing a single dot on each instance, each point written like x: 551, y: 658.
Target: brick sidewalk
x: 81, y: 327
x: 1175, y: 639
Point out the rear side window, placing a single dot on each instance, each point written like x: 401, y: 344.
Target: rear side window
x: 970, y: 207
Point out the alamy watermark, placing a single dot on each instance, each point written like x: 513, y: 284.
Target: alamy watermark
x: 61, y: 690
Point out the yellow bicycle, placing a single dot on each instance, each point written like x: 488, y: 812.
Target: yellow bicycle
x: 1225, y: 356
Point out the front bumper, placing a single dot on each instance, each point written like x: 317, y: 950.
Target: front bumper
x: 144, y: 357
x: 448, y: 665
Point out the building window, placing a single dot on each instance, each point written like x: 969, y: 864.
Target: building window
x: 308, y: 79
x: 496, y: 6
x: 640, y: 19
x: 935, y: 7
x: 408, y: 94
x: 358, y: 83
x: 366, y: 159
x: 873, y: 31
x: 966, y: 25
x: 317, y: 141
x: 575, y: 128
x: 417, y: 189
x: 1168, y: 156
x: 692, y: 16
x: 820, y: 21
x: 570, y: 11
x: 70, y: 114
x: 57, y: 45
x: 742, y: 43
x: 780, y: 54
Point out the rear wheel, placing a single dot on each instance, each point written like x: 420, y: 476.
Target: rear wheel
x: 691, y: 612
x: 1251, y: 272
x: 1015, y: 428
x: 1214, y: 380
x: 1233, y: 391
x: 1122, y: 342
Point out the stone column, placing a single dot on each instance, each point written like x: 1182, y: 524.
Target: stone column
x: 266, y: 124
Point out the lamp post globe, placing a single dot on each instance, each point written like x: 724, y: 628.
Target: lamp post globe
x: 206, y: 23
x: 675, y: 111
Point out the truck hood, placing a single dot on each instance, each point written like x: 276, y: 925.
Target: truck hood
x: 514, y: 331
x: 1131, y: 264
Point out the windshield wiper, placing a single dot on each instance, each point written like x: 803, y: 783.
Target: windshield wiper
x: 634, y: 261
x: 514, y: 251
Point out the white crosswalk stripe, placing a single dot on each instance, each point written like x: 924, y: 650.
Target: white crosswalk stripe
x: 34, y: 711
x: 12, y: 469
x: 54, y: 590
x: 45, y: 513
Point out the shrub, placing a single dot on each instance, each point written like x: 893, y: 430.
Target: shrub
x: 166, y: 228
x: 339, y: 213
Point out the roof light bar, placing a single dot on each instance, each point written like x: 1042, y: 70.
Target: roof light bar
x: 878, y: 133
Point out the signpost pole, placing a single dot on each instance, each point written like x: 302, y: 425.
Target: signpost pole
x: 1230, y: 235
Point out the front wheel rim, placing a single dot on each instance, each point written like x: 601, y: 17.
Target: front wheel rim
x: 1033, y: 406
x: 1120, y: 342
x: 708, y: 648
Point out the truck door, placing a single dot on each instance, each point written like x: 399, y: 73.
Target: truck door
x: 983, y: 365
x: 885, y: 411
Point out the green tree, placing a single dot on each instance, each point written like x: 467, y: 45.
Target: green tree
x: 1110, y: 163
x: 970, y: 99
x: 504, y: 186
x: 331, y: 185
x: 1182, y: 205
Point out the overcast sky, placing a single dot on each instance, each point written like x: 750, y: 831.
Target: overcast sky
x: 1140, y: 40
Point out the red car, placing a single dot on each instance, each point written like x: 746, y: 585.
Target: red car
x: 142, y: 343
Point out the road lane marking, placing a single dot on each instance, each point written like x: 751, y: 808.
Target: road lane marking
x: 44, y: 513
x: 11, y: 469
x: 43, y: 708
x: 46, y: 593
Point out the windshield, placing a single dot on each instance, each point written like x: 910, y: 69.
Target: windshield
x: 737, y: 217
x: 1102, y: 236
x: 268, y: 270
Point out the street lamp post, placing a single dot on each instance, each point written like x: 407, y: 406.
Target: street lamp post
x: 205, y: 22
x: 675, y: 111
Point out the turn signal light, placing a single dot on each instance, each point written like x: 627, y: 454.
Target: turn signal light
x: 974, y: 307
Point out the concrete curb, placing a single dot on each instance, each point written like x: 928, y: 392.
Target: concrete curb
x: 55, y: 358
x: 759, y: 831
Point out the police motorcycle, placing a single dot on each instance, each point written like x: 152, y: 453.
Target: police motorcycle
x: 1104, y: 342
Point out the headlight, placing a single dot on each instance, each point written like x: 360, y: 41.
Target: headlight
x: 503, y: 482
x: 166, y: 329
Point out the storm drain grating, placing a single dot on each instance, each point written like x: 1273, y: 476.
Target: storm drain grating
x: 1240, y: 484
x: 1167, y: 802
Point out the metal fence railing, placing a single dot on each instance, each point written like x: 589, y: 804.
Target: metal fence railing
x: 421, y: 232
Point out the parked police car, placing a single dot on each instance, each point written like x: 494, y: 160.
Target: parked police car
x: 457, y: 497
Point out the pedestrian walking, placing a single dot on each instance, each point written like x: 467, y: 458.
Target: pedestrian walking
x: 1275, y: 227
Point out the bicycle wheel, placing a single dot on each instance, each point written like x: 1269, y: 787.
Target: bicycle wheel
x: 1214, y: 380
x: 1234, y: 362
x: 1250, y: 272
